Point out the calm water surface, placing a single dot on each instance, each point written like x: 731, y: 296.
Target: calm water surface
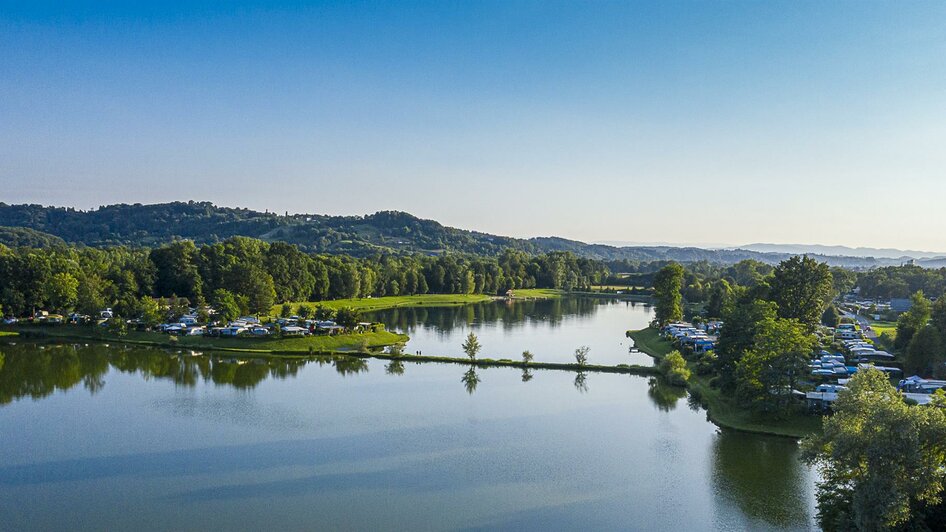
x: 551, y: 329
x: 127, y: 438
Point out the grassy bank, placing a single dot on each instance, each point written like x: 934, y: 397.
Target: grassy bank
x: 649, y: 341
x: 303, y: 345
x: 7, y: 333
x: 725, y: 413
x: 369, y: 304
x: 537, y: 293
x: 722, y: 410
x: 380, y: 303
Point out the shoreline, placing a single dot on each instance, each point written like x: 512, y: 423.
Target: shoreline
x: 376, y: 304
x: 719, y: 410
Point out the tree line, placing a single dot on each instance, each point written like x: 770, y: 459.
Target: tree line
x: 901, y: 281
x: 255, y: 275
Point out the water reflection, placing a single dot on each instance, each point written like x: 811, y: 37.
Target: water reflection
x: 316, y: 449
x: 37, y: 371
x: 551, y: 329
x: 395, y: 367
x: 509, y: 314
x: 470, y: 380
x: 763, y: 477
x: 581, y: 382
x: 664, y: 395
x: 349, y: 365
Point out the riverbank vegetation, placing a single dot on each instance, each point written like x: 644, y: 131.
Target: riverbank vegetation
x: 767, y: 335
x: 674, y: 369
x: 721, y: 408
x: 883, y: 463
x: 763, y: 346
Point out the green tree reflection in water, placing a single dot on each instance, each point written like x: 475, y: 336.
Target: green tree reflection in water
x: 761, y: 475
x: 470, y: 380
x: 509, y: 315
x: 663, y: 394
x: 38, y: 370
x: 349, y: 365
x: 581, y: 382
x: 395, y: 367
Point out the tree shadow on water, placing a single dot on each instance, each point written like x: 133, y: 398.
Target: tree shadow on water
x: 581, y: 382
x: 395, y: 367
x: 470, y: 380
x: 764, y: 477
x: 664, y: 395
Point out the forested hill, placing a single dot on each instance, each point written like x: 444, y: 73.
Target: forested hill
x: 202, y: 222
x: 24, y: 237
x: 388, y: 231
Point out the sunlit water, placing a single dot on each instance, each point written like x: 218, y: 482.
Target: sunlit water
x: 127, y: 438
x: 550, y: 329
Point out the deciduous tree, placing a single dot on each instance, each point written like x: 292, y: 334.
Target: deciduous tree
x: 802, y: 288
x: 668, y: 299
x: 471, y: 346
x: 880, y: 459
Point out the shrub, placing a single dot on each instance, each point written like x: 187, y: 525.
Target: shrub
x: 674, y: 369
x: 581, y: 355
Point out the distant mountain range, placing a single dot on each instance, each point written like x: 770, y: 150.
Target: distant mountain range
x: 386, y: 232
x: 881, y: 253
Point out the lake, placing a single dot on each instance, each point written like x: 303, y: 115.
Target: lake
x: 550, y: 328
x: 118, y: 437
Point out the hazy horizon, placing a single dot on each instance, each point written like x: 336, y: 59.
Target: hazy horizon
x: 734, y: 122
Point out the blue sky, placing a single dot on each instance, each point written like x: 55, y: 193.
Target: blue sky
x: 688, y: 122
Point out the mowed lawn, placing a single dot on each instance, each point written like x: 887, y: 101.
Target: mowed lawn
x: 366, y: 304
x: 536, y: 293
x: 649, y: 341
x: 881, y: 327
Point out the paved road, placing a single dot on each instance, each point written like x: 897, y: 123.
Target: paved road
x: 864, y: 323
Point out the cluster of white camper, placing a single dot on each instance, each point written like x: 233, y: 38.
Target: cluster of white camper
x: 697, y: 337
x: 847, y: 331
x: 251, y: 326
x: 864, y: 355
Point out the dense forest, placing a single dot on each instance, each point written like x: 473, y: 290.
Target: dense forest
x: 21, y: 237
x: 901, y: 281
x: 256, y: 275
x: 360, y: 236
